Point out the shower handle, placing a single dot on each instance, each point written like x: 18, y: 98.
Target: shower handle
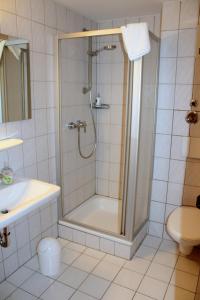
x: 77, y: 125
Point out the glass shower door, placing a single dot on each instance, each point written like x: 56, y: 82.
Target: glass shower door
x: 140, y: 140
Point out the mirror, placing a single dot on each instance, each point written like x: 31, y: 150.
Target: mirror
x: 15, y: 90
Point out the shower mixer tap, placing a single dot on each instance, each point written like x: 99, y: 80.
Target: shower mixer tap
x: 77, y: 125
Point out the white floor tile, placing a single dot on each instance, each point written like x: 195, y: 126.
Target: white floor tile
x: 20, y: 276
x: 69, y: 255
x: 6, y: 289
x: 187, y: 265
x: 176, y: 293
x: 63, y: 267
x: 169, y: 246
x: 117, y: 292
x: 152, y: 241
x: 76, y: 247
x: 36, y: 284
x: 85, y: 263
x: 106, y: 270
x: 21, y: 295
x: 128, y: 279
x: 63, y: 242
x: 33, y: 263
x: 153, y: 288
x: 146, y: 252
x: 114, y: 260
x: 184, y: 280
x: 160, y: 272
x: 73, y: 277
x: 94, y: 286
x: 137, y: 264
x: 94, y: 253
x: 57, y: 291
x: 165, y: 258
x: 141, y: 297
x: 81, y: 296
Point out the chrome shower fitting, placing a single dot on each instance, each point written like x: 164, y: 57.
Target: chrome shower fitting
x: 106, y: 48
x: 77, y: 125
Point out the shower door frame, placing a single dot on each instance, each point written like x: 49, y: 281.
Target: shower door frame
x: 134, y: 87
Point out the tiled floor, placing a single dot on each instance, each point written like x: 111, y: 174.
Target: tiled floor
x: 157, y: 271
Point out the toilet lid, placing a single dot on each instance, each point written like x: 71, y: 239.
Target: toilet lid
x: 184, y: 224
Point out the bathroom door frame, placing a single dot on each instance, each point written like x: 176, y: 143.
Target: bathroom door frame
x: 132, y: 130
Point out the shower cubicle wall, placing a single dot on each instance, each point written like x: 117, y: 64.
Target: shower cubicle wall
x: 121, y: 167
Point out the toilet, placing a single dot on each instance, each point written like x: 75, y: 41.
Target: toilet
x: 183, y: 225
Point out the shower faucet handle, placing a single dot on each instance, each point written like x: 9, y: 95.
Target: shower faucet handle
x: 71, y: 125
x: 81, y: 124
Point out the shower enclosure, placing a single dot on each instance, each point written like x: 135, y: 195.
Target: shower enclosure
x: 106, y: 119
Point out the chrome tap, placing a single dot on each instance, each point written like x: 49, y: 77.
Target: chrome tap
x: 77, y: 125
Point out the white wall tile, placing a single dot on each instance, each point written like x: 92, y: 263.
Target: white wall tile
x: 185, y: 70
x: 174, y: 194
x: 50, y: 13
x: 180, y: 146
x: 159, y: 191
x: 189, y: 13
x: 163, y: 145
x: 187, y: 42
x: 167, y: 73
x: 24, y: 29
x: 38, y: 33
x: 155, y: 229
x: 29, y: 152
x: 8, y: 23
x: 23, y: 8
x: 11, y: 264
x: 177, y: 171
x: 164, y: 121
x: 170, y: 15
x: 183, y: 95
x: 161, y: 168
x: 22, y: 233
x: 166, y: 96
x: 107, y: 246
x: 157, y: 212
x: 37, y: 9
x: 123, y: 251
x: 180, y: 126
x: 169, y: 43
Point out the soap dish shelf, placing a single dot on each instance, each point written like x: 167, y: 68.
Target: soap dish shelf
x: 102, y: 106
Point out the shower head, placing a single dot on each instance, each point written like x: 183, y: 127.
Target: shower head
x: 106, y: 47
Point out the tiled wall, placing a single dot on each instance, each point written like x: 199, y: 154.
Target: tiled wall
x: 78, y: 174
x: 24, y: 237
x: 192, y: 178
x: 38, y: 21
x: 178, y: 37
x: 111, y: 85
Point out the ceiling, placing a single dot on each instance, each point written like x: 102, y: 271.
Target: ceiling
x: 110, y: 9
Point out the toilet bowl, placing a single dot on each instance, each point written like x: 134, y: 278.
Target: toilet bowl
x: 183, y: 225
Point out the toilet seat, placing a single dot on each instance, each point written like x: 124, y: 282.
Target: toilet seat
x: 183, y: 225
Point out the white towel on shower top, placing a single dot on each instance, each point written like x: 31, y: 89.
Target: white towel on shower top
x: 136, y: 40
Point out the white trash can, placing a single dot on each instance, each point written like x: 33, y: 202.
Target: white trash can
x: 49, y: 253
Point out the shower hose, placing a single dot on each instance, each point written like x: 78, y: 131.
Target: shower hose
x: 95, y: 134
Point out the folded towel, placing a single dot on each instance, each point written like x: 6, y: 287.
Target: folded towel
x: 136, y: 40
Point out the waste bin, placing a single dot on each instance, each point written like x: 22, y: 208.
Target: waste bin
x: 49, y: 253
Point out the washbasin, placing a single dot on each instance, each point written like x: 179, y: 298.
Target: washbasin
x: 23, y: 196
